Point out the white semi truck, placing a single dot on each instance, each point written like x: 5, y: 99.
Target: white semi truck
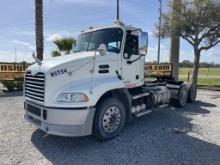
x: 100, y: 87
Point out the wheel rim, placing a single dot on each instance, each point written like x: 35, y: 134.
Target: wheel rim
x: 111, y: 119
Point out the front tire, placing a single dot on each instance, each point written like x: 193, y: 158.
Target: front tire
x: 109, y: 119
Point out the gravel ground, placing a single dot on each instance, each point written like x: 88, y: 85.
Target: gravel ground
x: 189, y: 135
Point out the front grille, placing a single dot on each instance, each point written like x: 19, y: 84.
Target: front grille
x: 34, y: 86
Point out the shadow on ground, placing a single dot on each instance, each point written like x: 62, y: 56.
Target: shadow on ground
x: 151, y: 139
x: 11, y: 94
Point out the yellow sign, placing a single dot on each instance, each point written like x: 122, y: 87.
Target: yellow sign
x: 158, y: 70
x: 10, y: 71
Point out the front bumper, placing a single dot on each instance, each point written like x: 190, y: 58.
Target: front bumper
x: 60, y: 121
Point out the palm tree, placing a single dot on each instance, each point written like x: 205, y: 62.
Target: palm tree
x: 39, y: 28
x: 55, y: 53
x: 65, y: 44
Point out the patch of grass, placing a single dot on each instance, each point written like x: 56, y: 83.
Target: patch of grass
x: 202, y: 71
x: 207, y: 76
x: 205, y: 81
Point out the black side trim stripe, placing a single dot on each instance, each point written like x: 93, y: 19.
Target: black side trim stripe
x: 103, y: 71
x: 65, y: 108
x: 103, y: 66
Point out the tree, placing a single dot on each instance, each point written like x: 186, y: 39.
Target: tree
x: 65, y: 44
x: 198, y: 24
x: 39, y: 28
x: 186, y: 63
x: 55, y: 53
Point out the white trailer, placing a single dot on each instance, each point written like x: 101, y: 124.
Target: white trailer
x: 99, y: 87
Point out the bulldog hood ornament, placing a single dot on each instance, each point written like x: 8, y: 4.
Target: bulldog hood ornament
x: 36, y: 59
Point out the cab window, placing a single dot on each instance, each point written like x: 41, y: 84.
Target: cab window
x: 112, y: 38
x: 131, y: 45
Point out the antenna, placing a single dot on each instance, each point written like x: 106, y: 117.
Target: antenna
x: 118, y: 10
x: 118, y: 22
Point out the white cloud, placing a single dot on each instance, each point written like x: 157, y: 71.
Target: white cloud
x: 53, y: 37
x: 27, y: 33
x: 50, y: 36
x: 212, y: 55
x: 9, y: 56
x: 24, y: 44
x: 90, y: 2
x: 152, y: 53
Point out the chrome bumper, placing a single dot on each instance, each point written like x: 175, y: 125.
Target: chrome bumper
x: 60, y: 121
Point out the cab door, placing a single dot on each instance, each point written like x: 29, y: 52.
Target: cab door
x: 132, y: 62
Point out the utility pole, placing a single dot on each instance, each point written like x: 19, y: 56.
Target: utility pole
x: 15, y: 55
x: 159, y: 37
x: 39, y: 29
x: 175, y: 40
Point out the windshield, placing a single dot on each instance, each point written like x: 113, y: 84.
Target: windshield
x: 112, y: 38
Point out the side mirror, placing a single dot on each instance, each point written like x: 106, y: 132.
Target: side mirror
x: 73, y: 46
x: 102, y: 49
x: 143, y: 43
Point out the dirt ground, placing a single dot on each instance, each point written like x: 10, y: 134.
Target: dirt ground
x: 189, y: 135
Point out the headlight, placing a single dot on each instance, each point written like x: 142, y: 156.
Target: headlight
x: 72, y: 97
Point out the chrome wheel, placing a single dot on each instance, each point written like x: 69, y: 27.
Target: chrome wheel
x: 111, y: 119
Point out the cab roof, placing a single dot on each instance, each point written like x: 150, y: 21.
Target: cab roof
x: 117, y: 24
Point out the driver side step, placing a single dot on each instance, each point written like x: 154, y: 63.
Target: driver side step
x: 143, y: 113
x: 140, y: 95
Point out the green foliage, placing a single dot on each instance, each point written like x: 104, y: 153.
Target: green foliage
x: 189, y: 64
x: 9, y: 84
x: 13, y: 85
x: 196, y: 21
x: 55, y: 53
x: 19, y: 85
x: 65, y: 44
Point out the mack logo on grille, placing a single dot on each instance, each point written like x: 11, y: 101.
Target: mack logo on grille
x: 58, y: 72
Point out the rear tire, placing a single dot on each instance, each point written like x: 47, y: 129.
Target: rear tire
x: 109, y: 119
x: 192, y: 93
x: 182, y: 97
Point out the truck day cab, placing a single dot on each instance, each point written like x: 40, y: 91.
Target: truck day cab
x: 99, y: 87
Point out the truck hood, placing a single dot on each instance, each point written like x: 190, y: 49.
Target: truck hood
x: 80, y: 57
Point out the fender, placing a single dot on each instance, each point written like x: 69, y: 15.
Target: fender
x: 101, y: 86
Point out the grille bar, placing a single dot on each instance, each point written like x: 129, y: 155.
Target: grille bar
x: 35, y: 94
x: 34, y: 98
x: 33, y: 89
x: 31, y: 78
x: 34, y: 86
x: 34, y: 82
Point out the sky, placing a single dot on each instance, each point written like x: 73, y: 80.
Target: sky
x: 67, y: 18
